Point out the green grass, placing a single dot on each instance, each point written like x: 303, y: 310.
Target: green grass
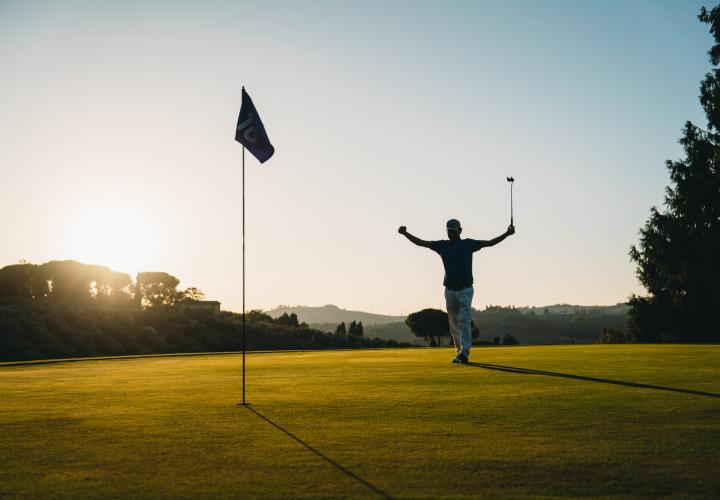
x: 403, y: 422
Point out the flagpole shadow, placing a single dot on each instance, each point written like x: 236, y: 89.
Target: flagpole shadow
x: 527, y: 371
x: 332, y: 462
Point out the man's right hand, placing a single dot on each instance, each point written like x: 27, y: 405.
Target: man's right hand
x: 402, y: 230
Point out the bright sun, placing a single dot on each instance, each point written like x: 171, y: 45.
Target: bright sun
x: 112, y: 235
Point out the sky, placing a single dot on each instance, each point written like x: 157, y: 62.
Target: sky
x: 117, y: 142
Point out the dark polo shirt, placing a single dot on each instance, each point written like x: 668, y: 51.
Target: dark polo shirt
x: 457, y: 259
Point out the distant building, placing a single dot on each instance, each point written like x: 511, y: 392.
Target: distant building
x: 209, y: 306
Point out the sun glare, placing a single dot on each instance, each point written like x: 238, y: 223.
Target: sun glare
x: 112, y: 235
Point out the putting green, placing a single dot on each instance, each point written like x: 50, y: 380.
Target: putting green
x: 540, y: 421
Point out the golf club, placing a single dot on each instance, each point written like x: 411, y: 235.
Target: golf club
x: 511, y: 180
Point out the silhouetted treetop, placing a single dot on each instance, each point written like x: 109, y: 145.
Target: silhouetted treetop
x: 155, y: 289
x: 677, y: 255
x: 429, y: 324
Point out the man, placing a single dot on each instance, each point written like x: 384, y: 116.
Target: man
x: 456, y: 255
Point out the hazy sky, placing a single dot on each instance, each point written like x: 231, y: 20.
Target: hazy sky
x: 117, y: 124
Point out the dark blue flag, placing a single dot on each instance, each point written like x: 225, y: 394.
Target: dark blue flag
x: 250, y: 131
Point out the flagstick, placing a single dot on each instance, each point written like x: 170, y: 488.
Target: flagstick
x: 244, y: 403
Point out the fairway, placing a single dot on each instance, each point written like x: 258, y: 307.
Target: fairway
x: 620, y: 421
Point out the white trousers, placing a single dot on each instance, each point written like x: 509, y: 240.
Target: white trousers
x: 460, y: 317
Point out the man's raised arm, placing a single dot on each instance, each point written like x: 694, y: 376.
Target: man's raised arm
x: 421, y: 243
x: 495, y: 241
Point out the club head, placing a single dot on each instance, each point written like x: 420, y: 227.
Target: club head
x: 510, y: 179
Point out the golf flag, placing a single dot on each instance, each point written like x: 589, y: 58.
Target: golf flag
x: 250, y: 131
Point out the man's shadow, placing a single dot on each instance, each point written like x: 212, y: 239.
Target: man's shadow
x: 527, y: 371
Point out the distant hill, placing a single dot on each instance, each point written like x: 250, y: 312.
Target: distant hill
x: 333, y: 314
x: 619, y: 309
x: 530, y: 325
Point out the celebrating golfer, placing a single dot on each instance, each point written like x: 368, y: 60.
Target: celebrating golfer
x: 456, y: 255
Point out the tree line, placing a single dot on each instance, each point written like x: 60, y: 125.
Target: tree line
x: 65, y: 309
x: 72, y: 281
x: 511, y: 326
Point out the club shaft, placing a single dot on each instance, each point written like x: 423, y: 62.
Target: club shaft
x: 511, y: 204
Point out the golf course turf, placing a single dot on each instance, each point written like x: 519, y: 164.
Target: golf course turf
x: 543, y: 421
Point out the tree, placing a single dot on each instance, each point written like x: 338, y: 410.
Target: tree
x: 677, y: 255
x: 156, y: 289
x: 612, y: 336
x: 109, y: 286
x: 16, y: 280
x: 474, y: 330
x: 257, y: 316
x: 510, y: 340
x: 70, y: 281
x: 352, y: 329
x: 359, y: 330
x: 340, y: 330
x: 429, y: 324
x: 193, y: 293
x: 288, y: 320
